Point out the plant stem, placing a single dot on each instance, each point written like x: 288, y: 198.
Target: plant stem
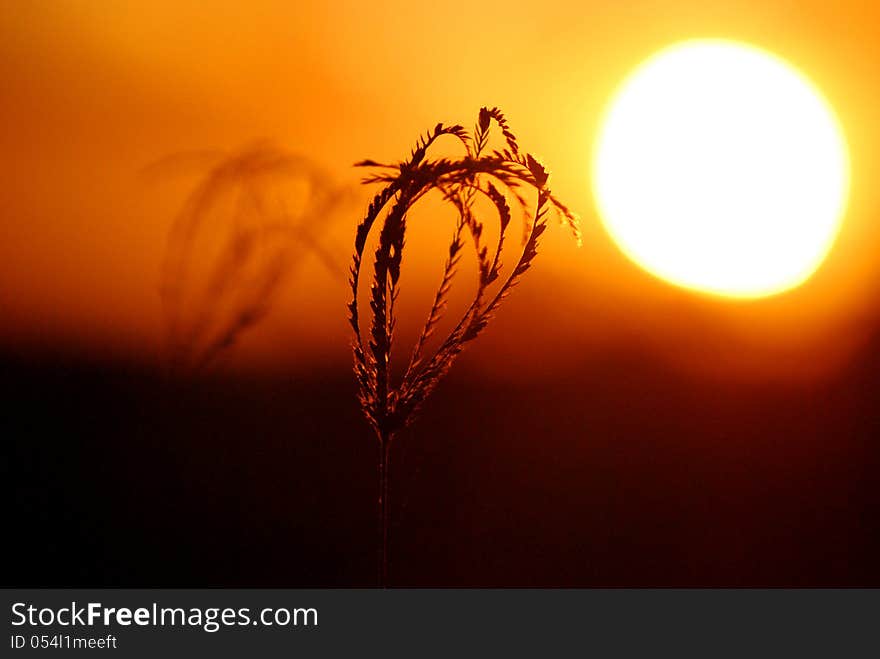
x: 384, y: 465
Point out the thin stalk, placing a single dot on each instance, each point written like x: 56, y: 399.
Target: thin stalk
x: 384, y: 465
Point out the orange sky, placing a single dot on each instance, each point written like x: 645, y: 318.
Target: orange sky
x: 95, y: 91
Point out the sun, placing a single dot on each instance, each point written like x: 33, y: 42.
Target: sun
x: 720, y: 167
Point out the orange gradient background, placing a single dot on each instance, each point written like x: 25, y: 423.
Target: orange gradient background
x: 93, y: 92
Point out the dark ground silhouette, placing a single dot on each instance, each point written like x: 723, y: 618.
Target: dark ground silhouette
x: 618, y: 473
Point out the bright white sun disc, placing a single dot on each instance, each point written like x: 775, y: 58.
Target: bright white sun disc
x: 720, y: 167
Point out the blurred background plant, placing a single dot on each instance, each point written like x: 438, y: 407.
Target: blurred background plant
x: 252, y: 218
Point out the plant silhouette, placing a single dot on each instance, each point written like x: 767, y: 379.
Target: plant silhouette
x: 390, y: 406
x: 251, y: 219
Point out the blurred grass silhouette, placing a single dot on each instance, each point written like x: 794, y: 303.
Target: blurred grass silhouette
x: 252, y: 218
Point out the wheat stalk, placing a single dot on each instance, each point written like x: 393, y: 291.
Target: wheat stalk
x: 389, y: 407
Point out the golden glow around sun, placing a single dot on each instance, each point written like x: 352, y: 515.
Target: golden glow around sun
x: 719, y: 167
